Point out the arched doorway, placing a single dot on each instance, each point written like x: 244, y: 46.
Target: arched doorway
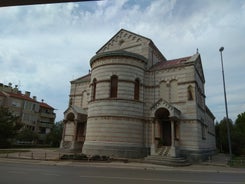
x: 81, y: 128
x: 162, y: 117
x: 74, y: 131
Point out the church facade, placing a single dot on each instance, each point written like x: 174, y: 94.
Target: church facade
x: 135, y: 103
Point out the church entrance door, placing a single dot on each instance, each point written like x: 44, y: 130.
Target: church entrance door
x: 162, y: 116
x: 166, y: 133
x: 80, y: 136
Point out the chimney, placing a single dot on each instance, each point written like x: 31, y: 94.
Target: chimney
x: 42, y: 100
x: 15, y: 90
x: 27, y: 93
x: 7, y: 88
x: 34, y: 98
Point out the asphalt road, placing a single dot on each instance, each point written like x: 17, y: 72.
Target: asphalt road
x: 33, y: 173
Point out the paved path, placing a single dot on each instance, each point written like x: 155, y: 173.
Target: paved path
x: 17, y: 171
x: 51, y: 157
x: 35, y: 153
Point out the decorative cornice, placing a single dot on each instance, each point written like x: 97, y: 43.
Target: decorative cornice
x: 127, y: 118
x: 119, y: 53
x: 127, y: 64
x: 174, y: 112
x: 116, y: 99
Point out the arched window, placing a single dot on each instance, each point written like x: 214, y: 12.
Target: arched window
x: 70, y: 102
x: 190, y: 93
x: 84, y: 99
x: 70, y: 116
x: 137, y: 89
x: 174, y: 91
x: 204, y: 129
x: 164, y: 91
x: 94, y: 89
x: 114, y: 86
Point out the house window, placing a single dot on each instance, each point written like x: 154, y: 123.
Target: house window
x: 94, y: 89
x: 176, y: 130
x: 174, y: 91
x: 137, y: 89
x: 33, y: 107
x: 164, y: 91
x: 114, y: 86
x: 203, y: 131
x: 84, y: 99
x: 190, y: 93
x: 14, y: 104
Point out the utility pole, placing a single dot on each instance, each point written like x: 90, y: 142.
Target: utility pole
x: 226, y: 109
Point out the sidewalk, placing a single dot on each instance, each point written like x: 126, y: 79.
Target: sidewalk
x: 129, y: 165
x: 35, y: 154
x: 51, y: 157
x: 218, y: 160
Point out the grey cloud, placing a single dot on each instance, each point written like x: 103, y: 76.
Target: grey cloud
x: 57, y: 41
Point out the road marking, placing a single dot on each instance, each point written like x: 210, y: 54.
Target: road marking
x: 50, y: 174
x: 162, y: 180
x: 17, y: 172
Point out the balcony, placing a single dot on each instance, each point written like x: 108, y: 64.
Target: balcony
x: 47, y: 115
x: 46, y: 124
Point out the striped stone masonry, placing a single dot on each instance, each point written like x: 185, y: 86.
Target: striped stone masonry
x: 134, y: 102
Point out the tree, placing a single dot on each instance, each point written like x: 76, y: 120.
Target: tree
x: 55, y: 136
x: 237, y: 131
x: 240, y: 122
x: 217, y: 133
x: 238, y: 136
x: 9, y: 125
x: 221, y: 135
x: 27, y: 135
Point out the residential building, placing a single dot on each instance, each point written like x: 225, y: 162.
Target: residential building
x: 135, y: 103
x: 46, y: 119
x: 36, y: 116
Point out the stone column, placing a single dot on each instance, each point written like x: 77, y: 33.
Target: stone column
x: 172, y: 150
x: 64, y: 129
x: 63, y: 133
x: 153, y: 147
x: 73, y: 144
x: 172, y: 133
x: 75, y: 130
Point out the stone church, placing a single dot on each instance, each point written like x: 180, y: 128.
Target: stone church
x: 135, y: 103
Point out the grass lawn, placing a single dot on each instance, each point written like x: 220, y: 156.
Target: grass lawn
x: 238, y: 162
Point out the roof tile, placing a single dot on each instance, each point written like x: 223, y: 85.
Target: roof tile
x: 25, y: 97
x: 170, y: 63
x: 44, y: 105
x: 21, y: 96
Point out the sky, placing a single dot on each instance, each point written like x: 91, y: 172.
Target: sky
x: 44, y: 47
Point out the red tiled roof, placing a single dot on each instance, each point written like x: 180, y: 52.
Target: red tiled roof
x: 21, y: 96
x: 25, y: 97
x: 1, y: 94
x: 169, y: 63
x: 44, y: 105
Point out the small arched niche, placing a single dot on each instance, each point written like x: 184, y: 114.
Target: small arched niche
x: 70, y: 116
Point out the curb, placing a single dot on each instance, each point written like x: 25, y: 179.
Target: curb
x: 128, y: 165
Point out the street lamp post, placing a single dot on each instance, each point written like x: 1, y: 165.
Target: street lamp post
x: 226, y: 109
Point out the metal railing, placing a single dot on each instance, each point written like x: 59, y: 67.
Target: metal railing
x: 33, y: 155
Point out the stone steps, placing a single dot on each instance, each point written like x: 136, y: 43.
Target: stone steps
x: 164, y: 150
x: 165, y: 160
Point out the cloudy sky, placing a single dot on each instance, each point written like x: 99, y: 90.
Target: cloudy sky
x: 44, y: 47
